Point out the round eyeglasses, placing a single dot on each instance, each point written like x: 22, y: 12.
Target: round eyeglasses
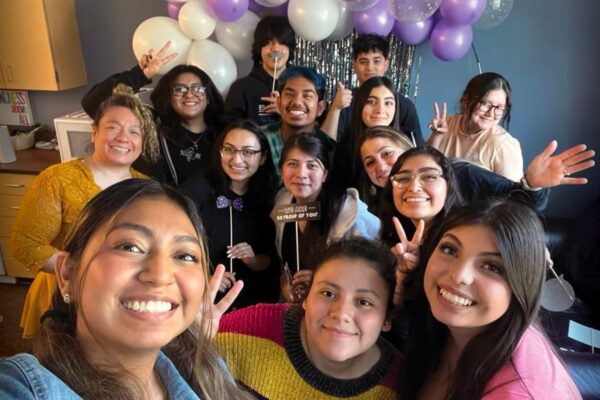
x: 246, y: 154
x: 485, y: 106
x: 425, y: 178
x: 179, y: 90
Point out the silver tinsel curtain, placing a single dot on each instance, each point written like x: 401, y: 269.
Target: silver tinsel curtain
x: 333, y: 60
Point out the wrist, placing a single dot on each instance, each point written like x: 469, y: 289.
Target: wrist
x: 527, y: 186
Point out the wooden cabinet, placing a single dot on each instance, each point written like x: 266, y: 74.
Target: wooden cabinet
x: 39, y: 45
x: 12, y: 189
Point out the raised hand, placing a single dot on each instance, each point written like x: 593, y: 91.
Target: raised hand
x: 243, y: 251
x: 407, y: 256
x: 151, y: 62
x: 547, y: 170
x: 211, y: 313
x: 343, y: 97
x: 272, y: 100
x: 439, y: 124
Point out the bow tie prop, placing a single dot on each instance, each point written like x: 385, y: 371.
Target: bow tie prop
x: 238, y: 204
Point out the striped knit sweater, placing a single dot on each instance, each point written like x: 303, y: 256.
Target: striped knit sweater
x: 264, y: 352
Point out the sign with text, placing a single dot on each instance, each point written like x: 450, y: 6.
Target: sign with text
x: 15, y: 108
x: 296, y: 212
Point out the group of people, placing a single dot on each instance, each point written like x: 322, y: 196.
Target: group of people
x: 163, y: 239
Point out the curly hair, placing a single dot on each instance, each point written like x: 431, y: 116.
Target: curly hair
x: 123, y: 96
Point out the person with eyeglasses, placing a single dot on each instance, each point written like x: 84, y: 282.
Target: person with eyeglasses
x: 188, y: 110
x: 241, y: 176
x: 422, y: 187
x: 478, y: 133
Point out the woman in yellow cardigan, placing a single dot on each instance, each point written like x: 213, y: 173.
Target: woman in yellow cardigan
x: 123, y: 129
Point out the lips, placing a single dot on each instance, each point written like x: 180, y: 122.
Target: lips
x: 416, y: 199
x: 148, y: 306
x: 121, y: 149
x: 455, y: 299
x: 338, y: 332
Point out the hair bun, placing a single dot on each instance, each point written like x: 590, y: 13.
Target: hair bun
x: 122, y: 89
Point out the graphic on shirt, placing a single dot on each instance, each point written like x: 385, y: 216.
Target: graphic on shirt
x: 190, y: 154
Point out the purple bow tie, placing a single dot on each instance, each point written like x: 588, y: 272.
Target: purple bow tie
x: 237, y: 204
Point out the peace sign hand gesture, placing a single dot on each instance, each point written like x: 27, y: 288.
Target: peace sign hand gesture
x: 151, y: 62
x: 439, y: 124
x: 407, y: 255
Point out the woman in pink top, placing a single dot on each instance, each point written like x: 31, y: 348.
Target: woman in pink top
x: 473, y: 309
x: 477, y: 133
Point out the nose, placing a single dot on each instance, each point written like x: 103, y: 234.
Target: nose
x: 342, y: 309
x: 380, y: 165
x: 302, y: 170
x: 237, y: 157
x: 461, y: 272
x: 157, y: 271
x: 415, y: 184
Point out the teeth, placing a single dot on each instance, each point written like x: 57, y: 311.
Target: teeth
x: 148, y: 306
x: 121, y: 149
x: 415, y: 200
x: 454, y: 299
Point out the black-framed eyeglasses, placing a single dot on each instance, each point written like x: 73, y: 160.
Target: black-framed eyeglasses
x: 179, y: 90
x: 425, y: 178
x: 486, y: 106
x: 228, y: 151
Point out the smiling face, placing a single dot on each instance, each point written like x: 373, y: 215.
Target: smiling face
x: 378, y: 156
x: 420, y: 200
x: 242, y: 164
x: 268, y: 53
x: 299, y: 104
x: 379, y: 108
x: 117, y: 138
x: 303, y: 175
x: 191, y: 106
x: 345, y: 311
x: 368, y: 65
x: 465, y: 280
x: 145, y: 280
x: 488, y: 119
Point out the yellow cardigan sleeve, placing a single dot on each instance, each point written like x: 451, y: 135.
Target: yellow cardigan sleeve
x: 38, y: 222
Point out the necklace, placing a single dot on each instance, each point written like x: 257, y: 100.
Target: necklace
x: 194, y: 142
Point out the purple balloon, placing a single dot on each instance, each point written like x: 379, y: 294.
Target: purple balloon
x: 173, y: 8
x: 228, y: 10
x: 376, y: 19
x: 254, y: 6
x: 450, y: 42
x: 413, y: 32
x: 462, y: 12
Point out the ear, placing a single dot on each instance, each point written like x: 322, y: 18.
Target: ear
x: 64, y: 272
x: 387, y: 65
x: 304, y: 304
x: 320, y: 107
x: 263, y: 158
x: 94, y: 130
x: 325, y: 173
x: 354, y: 66
x: 387, y: 326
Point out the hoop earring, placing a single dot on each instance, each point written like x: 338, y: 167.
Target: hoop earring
x: 67, y: 298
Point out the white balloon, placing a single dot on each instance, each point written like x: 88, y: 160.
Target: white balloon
x: 270, y: 3
x: 213, y: 59
x: 237, y: 37
x: 154, y: 32
x: 195, y: 21
x: 495, y: 13
x: 344, y: 25
x: 313, y: 19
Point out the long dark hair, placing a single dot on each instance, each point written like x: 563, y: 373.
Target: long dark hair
x: 262, y: 185
x: 161, y: 97
x: 478, y: 87
x: 388, y: 209
x: 273, y: 28
x: 57, y: 346
x: 332, y: 195
x: 520, y: 239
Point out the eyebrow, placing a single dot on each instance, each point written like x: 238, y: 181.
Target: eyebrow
x: 336, y: 286
x: 243, y: 147
x: 377, y: 98
x: 148, y: 232
x: 458, y: 241
x: 408, y: 171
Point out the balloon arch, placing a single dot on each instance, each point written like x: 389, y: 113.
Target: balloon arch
x: 325, y: 30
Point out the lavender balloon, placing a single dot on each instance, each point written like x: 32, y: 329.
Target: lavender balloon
x: 413, y: 32
x: 254, y: 6
x: 450, y: 42
x: 228, y: 10
x: 375, y: 20
x: 173, y: 8
x: 462, y: 12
